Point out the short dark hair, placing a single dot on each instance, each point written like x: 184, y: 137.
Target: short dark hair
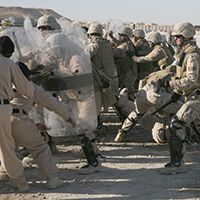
x: 25, y: 70
x: 7, y: 45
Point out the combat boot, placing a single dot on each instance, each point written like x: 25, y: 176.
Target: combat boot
x: 53, y: 147
x: 90, y: 169
x: 176, y: 164
x: 78, y: 152
x: 28, y: 161
x: 53, y: 182
x: 120, y: 136
x: 172, y: 169
x: 20, y: 184
x: 4, y: 176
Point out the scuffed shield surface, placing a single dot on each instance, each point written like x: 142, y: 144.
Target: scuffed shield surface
x: 64, y: 53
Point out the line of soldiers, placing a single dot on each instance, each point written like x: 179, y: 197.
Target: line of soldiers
x: 175, y: 79
x: 119, y: 67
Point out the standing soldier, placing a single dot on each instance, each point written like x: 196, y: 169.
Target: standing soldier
x: 187, y: 83
x: 103, y: 65
x: 127, y: 68
x: 101, y: 54
x: 143, y: 48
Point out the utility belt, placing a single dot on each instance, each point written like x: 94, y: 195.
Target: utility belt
x: 4, y: 101
x: 15, y: 110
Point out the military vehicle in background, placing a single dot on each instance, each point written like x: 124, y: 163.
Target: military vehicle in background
x: 7, y: 23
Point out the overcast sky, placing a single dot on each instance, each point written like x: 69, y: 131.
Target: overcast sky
x: 162, y: 12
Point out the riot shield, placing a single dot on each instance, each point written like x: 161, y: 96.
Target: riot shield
x: 63, y: 53
x: 115, y: 25
x: 20, y: 40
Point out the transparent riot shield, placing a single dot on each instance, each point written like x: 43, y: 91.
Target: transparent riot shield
x: 20, y: 40
x: 63, y: 52
x: 115, y: 25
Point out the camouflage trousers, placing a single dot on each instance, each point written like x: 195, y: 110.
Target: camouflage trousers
x: 147, y: 98
x: 188, y: 113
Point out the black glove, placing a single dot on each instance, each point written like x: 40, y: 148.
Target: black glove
x: 161, y: 83
x: 37, y: 69
x: 129, y: 53
x: 42, y: 77
x: 175, y: 97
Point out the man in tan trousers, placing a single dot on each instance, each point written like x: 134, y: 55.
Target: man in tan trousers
x: 25, y: 132
x: 10, y: 73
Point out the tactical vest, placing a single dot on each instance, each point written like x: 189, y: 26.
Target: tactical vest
x: 104, y: 58
x: 168, y: 59
x: 143, y: 46
x: 125, y: 63
x: 181, y: 55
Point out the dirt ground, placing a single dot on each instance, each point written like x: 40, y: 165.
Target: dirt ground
x: 130, y: 170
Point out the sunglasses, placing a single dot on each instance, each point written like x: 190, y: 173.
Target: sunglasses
x: 178, y: 36
x: 43, y: 28
x: 121, y: 34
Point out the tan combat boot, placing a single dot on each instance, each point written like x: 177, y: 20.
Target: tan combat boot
x: 53, y: 182
x: 120, y: 136
x: 78, y: 152
x: 28, y: 161
x: 173, y: 169
x: 4, y: 176
x: 20, y: 184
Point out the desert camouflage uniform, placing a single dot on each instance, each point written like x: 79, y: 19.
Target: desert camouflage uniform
x: 147, y: 98
x: 181, y: 123
x: 160, y: 56
x: 143, y: 48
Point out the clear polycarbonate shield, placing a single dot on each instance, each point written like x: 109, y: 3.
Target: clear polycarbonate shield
x: 20, y: 40
x: 115, y: 25
x: 63, y: 52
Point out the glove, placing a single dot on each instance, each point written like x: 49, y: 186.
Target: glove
x: 110, y: 34
x: 175, y: 97
x: 161, y: 83
x: 42, y: 77
x: 129, y: 53
x: 37, y: 69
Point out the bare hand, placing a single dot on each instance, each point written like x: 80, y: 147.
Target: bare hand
x: 71, y: 122
x: 42, y: 127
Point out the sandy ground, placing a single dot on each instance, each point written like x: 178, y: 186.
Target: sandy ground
x: 130, y: 171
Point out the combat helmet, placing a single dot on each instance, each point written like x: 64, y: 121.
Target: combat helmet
x: 154, y: 37
x: 95, y: 28
x: 138, y: 33
x: 48, y: 20
x: 126, y: 31
x: 185, y: 29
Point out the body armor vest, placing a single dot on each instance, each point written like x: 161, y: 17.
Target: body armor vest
x: 181, y: 55
x: 168, y: 59
x: 143, y: 48
x: 104, y: 58
x: 125, y: 63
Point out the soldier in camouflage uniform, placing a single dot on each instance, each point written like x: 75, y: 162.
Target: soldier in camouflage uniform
x: 127, y: 68
x: 101, y: 54
x: 160, y: 56
x: 143, y: 48
x: 148, y: 97
x: 187, y: 83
